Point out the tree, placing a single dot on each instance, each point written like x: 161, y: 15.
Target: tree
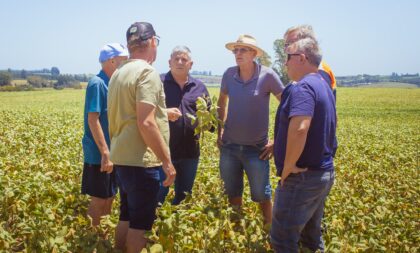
x: 66, y: 81
x: 264, y: 59
x: 23, y: 74
x: 280, y: 60
x: 55, y: 71
x: 38, y: 82
x: 5, y: 78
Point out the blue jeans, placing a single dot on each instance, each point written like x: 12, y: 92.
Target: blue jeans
x: 298, y: 211
x: 234, y: 160
x: 186, y: 170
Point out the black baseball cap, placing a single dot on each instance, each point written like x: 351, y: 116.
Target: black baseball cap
x: 140, y: 31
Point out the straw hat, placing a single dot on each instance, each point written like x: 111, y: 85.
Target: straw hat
x: 245, y: 41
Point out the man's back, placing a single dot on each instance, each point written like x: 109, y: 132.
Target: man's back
x: 135, y: 81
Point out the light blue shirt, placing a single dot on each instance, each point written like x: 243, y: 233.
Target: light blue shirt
x: 95, y: 101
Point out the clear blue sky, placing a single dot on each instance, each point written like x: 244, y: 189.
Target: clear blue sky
x: 356, y: 37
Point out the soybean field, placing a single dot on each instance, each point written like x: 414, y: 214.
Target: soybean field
x: 374, y: 205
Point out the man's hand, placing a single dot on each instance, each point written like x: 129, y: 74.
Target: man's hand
x: 170, y: 173
x: 106, y: 164
x: 219, y: 141
x: 267, y: 151
x: 288, y: 170
x: 173, y: 114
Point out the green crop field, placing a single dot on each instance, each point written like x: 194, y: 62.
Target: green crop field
x: 374, y: 205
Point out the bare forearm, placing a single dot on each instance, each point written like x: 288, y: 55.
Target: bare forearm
x: 295, y: 145
x: 221, y: 110
x: 222, y: 115
x: 98, y: 135
x: 296, y: 139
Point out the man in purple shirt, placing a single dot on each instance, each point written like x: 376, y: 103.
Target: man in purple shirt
x: 304, y: 147
x: 182, y: 91
x: 243, y: 141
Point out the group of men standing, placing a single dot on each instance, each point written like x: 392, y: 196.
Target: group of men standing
x: 138, y: 135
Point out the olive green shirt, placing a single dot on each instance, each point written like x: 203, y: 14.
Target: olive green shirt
x: 134, y: 81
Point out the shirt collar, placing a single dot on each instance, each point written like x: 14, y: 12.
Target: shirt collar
x: 191, y: 80
x: 256, y: 74
x: 103, y: 76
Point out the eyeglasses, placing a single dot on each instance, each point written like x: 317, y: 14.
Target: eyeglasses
x: 290, y: 42
x: 157, y: 40
x: 241, y: 50
x: 290, y: 56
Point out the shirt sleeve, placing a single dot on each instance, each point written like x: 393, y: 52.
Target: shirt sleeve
x: 149, y: 87
x: 94, y: 98
x: 223, y: 85
x: 302, y: 101
x: 275, y: 85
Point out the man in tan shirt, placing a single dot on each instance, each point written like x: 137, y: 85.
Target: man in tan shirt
x: 139, y: 133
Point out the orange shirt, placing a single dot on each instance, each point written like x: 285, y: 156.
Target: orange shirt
x: 326, y: 68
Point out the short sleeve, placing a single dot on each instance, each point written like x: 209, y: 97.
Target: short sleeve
x: 302, y: 101
x: 94, y: 98
x: 275, y: 85
x: 223, y: 85
x: 149, y: 87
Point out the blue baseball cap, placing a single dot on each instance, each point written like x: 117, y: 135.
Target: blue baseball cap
x: 112, y: 50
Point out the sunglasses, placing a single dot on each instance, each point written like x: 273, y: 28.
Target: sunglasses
x: 241, y: 50
x: 290, y: 56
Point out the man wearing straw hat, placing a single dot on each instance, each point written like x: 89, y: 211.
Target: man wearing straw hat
x: 244, y: 108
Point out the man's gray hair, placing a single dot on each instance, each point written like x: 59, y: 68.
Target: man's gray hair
x: 302, y: 31
x: 310, y: 48
x: 181, y: 49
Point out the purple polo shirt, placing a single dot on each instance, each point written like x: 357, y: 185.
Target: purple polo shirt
x: 182, y: 142
x: 311, y: 96
x: 248, y: 107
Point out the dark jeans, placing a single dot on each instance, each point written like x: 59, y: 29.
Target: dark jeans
x: 186, y: 169
x: 298, y: 211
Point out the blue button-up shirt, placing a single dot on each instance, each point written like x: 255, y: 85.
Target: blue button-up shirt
x: 183, y: 144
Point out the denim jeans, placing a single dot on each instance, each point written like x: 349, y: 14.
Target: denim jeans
x: 236, y: 159
x: 186, y: 170
x: 298, y: 211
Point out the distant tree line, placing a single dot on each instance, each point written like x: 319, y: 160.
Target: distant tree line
x: 42, y: 78
x: 369, y: 79
x: 203, y: 73
x: 23, y: 73
x: 52, y: 78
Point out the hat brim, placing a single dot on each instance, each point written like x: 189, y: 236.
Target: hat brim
x: 230, y: 46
